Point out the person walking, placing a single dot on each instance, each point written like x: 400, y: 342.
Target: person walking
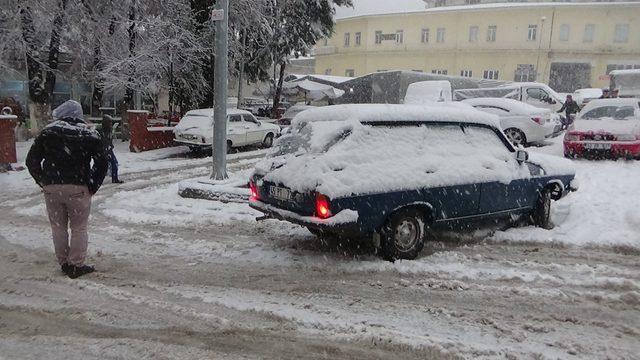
x: 107, y: 140
x: 60, y: 161
x: 570, y: 107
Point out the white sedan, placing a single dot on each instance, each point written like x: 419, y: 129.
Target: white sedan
x: 196, y: 130
x: 522, y: 123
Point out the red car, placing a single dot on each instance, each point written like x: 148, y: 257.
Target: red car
x: 605, y: 129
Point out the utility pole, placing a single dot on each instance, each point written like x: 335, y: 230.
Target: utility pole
x: 220, y: 84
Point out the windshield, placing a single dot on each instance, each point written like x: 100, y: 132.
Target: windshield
x: 609, y: 112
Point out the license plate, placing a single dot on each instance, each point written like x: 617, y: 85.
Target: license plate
x: 280, y: 193
x: 597, y: 146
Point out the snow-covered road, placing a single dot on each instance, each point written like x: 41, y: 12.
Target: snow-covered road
x: 181, y: 278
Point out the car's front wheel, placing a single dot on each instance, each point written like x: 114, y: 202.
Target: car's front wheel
x: 404, y: 235
x: 268, y: 141
x: 516, y: 136
x: 541, y: 214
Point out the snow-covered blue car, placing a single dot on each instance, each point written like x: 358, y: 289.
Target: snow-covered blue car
x: 392, y: 173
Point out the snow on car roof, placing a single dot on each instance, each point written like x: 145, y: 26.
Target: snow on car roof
x: 371, y: 113
x: 209, y: 112
x: 514, y: 106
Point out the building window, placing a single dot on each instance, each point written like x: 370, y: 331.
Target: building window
x: 378, y: 37
x: 466, y: 73
x: 490, y: 74
x: 439, y: 3
x: 564, y: 32
x: 491, y: 33
x: 621, y: 34
x: 533, y: 32
x: 589, y: 32
x: 471, y: 2
x: 439, y: 71
x: 399, y: 37
x: 358, y: 38
x: 347, y: 39
x: 440, y: 35
x: 350, y: 73
x: 473, y: 34
x: 327, y: 71
x: 425, y: 36
x: 525, y: 72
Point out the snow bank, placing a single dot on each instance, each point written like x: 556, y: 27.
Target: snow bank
x: 162, y: 205
x: 603, y: 212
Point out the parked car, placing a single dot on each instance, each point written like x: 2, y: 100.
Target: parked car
x: 256, y: 106
x: 394, y: 173
x: 583, y: 96
x: 291, y: 112
x: 605, y: 128
x: 196, y: 130
x: 532, y: 93
x: 522, y: 123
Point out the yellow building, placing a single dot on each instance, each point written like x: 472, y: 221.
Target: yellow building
x: 567, y: 45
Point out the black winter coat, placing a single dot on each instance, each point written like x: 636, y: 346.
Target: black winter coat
x: 63, y: 152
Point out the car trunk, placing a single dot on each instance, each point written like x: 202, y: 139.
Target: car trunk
x: 284, y: 198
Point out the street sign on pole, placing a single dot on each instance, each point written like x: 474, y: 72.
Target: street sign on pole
x: 220, y: 85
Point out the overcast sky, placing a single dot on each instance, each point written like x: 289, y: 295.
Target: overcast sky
x: 362, y: 7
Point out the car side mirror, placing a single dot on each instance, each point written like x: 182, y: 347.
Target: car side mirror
x: 522, y: 155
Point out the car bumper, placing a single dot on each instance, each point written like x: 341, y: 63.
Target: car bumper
x: 604, y: 150
x: 191, y: 143
x: 345, y: 222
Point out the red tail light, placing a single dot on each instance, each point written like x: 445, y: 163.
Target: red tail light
x: 323, y: 206
x: 254, y: 191
x: 538, y: 120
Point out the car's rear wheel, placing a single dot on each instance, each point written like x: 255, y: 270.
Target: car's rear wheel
x: 229, y: 147
x: 268, y: 141
x: 541, y: 214
x: 516, y: 136
x: 404, y: 235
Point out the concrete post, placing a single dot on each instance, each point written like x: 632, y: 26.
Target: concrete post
x: 220, y: 85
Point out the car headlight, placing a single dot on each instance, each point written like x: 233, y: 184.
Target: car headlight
x: 625, y: 137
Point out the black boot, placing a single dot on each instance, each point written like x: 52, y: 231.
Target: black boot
x: 77, y: 271
x: 66, y: 268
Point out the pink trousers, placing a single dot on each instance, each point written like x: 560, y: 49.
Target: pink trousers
x: 68, y: 207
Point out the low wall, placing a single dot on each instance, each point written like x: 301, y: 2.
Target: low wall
x: 145, y: 137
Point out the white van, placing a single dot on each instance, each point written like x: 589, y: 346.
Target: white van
x: 533, y: 93
x: 422, y: 92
